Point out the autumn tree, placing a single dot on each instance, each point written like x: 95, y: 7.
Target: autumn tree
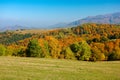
x: 21, y: 51
x: 115, y: 54
x: 52, y: 46
x: 45, y: 48
x: 97, y: 54
x: 10, y: 50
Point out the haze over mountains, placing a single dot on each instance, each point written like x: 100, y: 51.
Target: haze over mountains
x: 16, y: 27
x: 113, y: 18
x: 107, y: 18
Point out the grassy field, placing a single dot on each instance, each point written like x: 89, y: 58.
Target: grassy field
x: 16, y: 68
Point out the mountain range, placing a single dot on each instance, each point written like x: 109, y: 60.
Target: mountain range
x: 15, y: 27
x: 113, y: 18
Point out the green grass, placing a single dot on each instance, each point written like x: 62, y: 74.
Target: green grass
x: 17, y: 68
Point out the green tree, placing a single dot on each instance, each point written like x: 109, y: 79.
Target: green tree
x: 46, y: 50
x: 33, y: 49
x: 2, y: 50
x: 82, y: 50
x: 68, y: 54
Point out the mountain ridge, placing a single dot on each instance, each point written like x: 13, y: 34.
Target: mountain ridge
x: 113, y: 18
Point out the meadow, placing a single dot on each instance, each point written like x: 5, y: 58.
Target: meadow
x: 20, y: 68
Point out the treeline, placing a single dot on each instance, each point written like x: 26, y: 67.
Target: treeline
x: 8, y: 38
x: 89, y: 42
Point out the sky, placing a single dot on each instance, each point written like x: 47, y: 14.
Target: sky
x: 40, y: 13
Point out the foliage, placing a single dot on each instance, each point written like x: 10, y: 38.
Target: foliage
x: 10, y: 37
x: 46, y: 50
x: 2, y: 50
x: 21, y: 52
x: 9, y: 51
x: 114, y: 55
x: 33, y: 49
x: 97, y: 54
x: 82, y: 50
x: 67, y: 53
x: 95, y: 42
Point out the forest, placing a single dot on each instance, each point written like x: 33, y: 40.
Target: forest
x: 87, y: 42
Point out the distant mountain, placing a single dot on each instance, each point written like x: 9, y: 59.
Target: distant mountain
x: 107, y: 18
x: 16, y: 27
x: 113, y: 18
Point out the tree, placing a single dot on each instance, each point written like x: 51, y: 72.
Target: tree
x: 53, y: 46
x: 67, y: 53
x: 97, y: 54
x: 10, y: 50
x: 82, y: 50
x: 98, y: 51
x: 115, y: 55
x: 2, y: 50
x: 33, y: 49
x: 46, y: 50
x: 21, y: 52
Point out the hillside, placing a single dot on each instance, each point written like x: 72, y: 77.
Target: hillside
x: 88, y: 42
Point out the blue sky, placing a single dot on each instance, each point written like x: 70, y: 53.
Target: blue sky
x: 47, y: 12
